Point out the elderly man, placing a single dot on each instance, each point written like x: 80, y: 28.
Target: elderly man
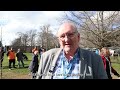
x: 70, y: 61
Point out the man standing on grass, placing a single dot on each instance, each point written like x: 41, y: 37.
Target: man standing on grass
x: 19, y: 56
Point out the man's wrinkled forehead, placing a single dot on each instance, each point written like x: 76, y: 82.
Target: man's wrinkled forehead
x: 66, y: 28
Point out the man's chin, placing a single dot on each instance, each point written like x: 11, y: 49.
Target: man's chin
x: 67, y: 49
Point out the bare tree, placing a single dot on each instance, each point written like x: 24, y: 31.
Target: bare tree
x: 45, y: 38
x: 97, y: 27
x: 31, y: 37
x: 16, y: 42
x: 24, y: 39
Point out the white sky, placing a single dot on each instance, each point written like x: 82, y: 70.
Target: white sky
x: 22, y: 21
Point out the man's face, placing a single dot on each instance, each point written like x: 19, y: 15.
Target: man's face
x: 68, y: 38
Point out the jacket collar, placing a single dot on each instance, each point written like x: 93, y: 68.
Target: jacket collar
x: 54, y: 57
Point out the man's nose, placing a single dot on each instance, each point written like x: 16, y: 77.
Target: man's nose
x: 67, y: 38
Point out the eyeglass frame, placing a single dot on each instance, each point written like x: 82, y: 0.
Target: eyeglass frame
x: 69, y: 35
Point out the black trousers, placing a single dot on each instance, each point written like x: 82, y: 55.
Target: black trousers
x: 21, y: 62
x: 10, y: 62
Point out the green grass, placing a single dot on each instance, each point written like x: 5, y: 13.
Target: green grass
x: 17, y: 72
x: 116, y: 64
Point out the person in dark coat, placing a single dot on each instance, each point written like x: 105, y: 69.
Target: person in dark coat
x: 25, y: 57
x: 33, y: 67
x: 1, y: 55
x: 19, y: 56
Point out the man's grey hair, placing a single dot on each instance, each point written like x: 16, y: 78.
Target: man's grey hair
x: 72, y: 24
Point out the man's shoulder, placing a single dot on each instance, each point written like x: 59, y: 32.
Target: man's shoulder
x: 86, y: 51
x: 89, y: 53
x: 52, y: 51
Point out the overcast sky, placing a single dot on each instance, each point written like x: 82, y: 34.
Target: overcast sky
x: 22, y: 21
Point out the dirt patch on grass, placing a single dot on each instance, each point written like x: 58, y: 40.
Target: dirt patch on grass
x: 23, y: 77
x: 11, y: 75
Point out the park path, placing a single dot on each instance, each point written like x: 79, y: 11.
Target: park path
x: 22, y: 77
x: 11, y: 75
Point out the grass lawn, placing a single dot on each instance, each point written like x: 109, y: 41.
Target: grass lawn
x: 116, y: 65
x: 16, y: 73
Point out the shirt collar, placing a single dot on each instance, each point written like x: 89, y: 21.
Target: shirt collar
x: 76, y: 54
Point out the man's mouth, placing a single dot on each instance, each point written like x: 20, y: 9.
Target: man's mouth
x: 67, y: 44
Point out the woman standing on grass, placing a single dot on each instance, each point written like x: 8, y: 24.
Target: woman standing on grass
x: 105, y: 55
x: 33, y: 67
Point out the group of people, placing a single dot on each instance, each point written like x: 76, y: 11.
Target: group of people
x: 33, y: 67
x: 12, y: 56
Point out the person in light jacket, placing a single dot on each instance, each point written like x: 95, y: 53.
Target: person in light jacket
x: 70, y: 61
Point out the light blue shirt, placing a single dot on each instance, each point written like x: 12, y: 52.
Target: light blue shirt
x: 67, y: 69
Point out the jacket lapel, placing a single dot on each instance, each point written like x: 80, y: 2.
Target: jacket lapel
x: 53, y: 62
x: 82, y: 65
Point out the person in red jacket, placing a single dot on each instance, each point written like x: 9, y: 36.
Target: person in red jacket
x: 11, y: 58
x: 105, y: 55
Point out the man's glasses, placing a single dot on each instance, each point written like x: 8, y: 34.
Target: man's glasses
x: 69, y: 35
